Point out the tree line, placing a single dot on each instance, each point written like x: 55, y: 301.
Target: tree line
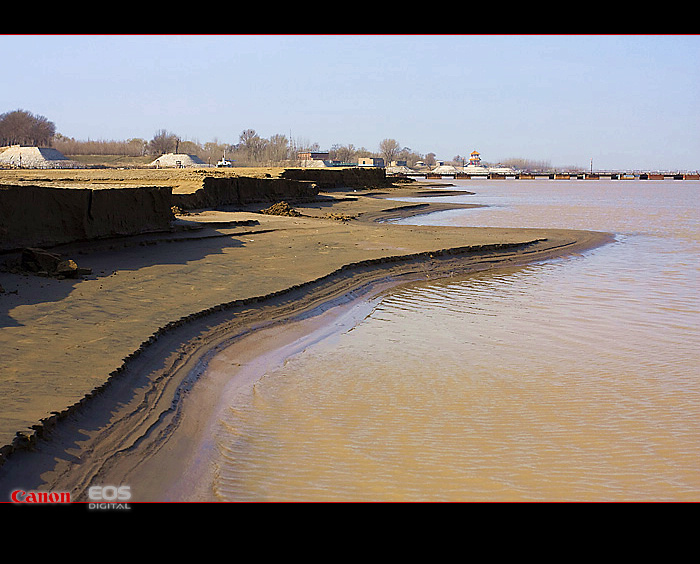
x: 24, y: 128
x: 21, y: 127
x: 251, y: 150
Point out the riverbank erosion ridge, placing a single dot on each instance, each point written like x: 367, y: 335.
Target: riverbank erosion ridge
x: 169, y: 268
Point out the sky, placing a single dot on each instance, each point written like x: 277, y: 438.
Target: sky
x: 624, y: 102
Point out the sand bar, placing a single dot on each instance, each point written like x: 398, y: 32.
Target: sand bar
x: 159, y: 307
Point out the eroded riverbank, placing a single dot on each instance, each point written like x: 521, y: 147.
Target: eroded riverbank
x: 173, y: 302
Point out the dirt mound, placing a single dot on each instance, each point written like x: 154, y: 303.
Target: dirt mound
x: 177, y: 160
x: 17, y: 156
x: 45, y: 263
x: 340, y: 216
x: 281, y: 208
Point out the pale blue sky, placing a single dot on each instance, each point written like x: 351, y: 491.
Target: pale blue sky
x: 627, y: 102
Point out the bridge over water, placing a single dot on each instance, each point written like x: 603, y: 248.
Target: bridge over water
x: 560, y: 175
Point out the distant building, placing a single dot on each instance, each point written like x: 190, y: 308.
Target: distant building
x: 475, y: 166
x: 313, y: 156
x: 370, y: 161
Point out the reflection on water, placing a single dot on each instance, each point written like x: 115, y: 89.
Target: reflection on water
x: 575, y: 379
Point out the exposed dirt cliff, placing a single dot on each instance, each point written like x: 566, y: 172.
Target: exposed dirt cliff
x: 242, y: 190
x: 339, y: 178
x: 36, y: 216
x: 39, y: 214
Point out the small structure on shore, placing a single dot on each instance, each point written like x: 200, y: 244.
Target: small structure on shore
x: 444, y: 169
x: 18, y: 156
x: 223, y: 163
x: 371, y: 161
x: 314, y: 159
x: 475, y: 166
x: 177, y: 160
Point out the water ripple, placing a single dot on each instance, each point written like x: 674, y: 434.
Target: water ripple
x: 570, y: 380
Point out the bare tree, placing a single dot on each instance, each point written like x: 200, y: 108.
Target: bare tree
x: 411, y: 157
x: 277, y: 150
x: 251, y: 145
x: 389, y: 149
x: 69, y: 146
x: 163, y: 142
x: 24, y: 128
x: 527, y: 164
x: 344, y: 153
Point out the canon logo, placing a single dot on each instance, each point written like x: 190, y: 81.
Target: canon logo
x: 20, y: 496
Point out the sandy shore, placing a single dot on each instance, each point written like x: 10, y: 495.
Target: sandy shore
x: 160, y: 312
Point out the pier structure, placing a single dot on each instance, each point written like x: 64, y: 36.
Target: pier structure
x: 476, y: 169
x: 597, y: 175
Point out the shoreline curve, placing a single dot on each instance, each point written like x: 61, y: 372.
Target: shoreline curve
x: 133, y: 418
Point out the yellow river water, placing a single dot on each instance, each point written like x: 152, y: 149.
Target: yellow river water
x: 572, y: 380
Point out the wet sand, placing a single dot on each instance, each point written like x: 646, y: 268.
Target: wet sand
x: 158, y: 308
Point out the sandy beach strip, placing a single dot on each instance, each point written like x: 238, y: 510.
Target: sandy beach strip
x: 116, y: 364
